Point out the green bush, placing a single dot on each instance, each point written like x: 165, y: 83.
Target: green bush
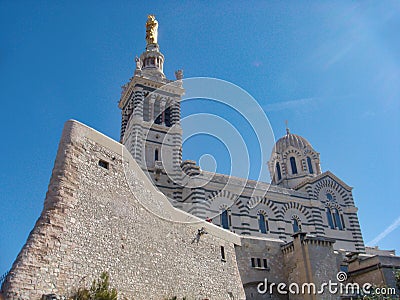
x: 397, y: 276
x: 100, y: 290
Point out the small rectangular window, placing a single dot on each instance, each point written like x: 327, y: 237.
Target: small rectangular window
x: 265, y: 263
x: 253, y: 263
x: 103, y: 164
x: 222, y: 253
x: 259, y: 262
x: 344, y: 268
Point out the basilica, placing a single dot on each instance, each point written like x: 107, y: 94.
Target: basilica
x: 300, y: 196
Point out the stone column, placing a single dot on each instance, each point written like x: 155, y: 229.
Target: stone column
x: 124, y: 122
x: 318, y: 166
x: 126, y: 114
x: 151, y: 102
x: 199, y: 203
x: 175, y: 112
x: 138, y: 102
x: 162, y: 108
x: 136, y: 142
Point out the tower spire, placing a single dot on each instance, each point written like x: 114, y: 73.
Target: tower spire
x: 287, y: 127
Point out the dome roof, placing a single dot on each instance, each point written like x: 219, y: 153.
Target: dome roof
x: 291, y: 139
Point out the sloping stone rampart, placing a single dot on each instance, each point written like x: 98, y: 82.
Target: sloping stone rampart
x: 97, y: 219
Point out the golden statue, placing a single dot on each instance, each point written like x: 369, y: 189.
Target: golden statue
x: 151, y: 30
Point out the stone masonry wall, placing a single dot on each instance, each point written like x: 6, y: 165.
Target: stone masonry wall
x: 257, y: 248
x: 311, y: 260
x: 378, y: 270
x: 96, y: 219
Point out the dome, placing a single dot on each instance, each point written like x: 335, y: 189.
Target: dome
x: 291, y: 139
x: 293, y: 159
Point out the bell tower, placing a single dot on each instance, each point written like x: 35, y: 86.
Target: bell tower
x: 150, y: 108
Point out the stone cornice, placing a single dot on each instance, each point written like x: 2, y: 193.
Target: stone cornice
x: 321, y: 176
x: 168, y: 86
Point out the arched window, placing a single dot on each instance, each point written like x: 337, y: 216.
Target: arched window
x: 330, y: 219
x: 225, y: 219
x: 157, y: 112
x: 329, y: 197
x: 337, y: 219
x: 167, y: 116
x: 262, y: 223
x: 156, y: 158
x: 310, y: 168
x: 341, y: 217
x: 146, y: 109
x: 293, y: 165
x: 278, y: 171
x: 296, y: 225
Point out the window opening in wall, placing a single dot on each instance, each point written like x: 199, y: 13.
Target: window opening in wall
x: 265, y: 265
x: 278, y: 171
x: 259, y: 263
x: 104, y: 164
x: 157, y: 112
x: 341, y: 217
x: 222, y: 253
x: 253, y: 262
x: 344, y: 268
x: 262, y: 223
x: 310, y: 167
x: 225, y: 219
x: 296, y: 225
x: 329, y: 196
x: 293, y: 165
x: 337, y: 219
x: 158, y: 119
x: 167, y: 117
x: 146, y: 109
x: 156, y: 156
x: 330, y: 219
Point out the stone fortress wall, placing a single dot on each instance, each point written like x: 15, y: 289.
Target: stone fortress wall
x: 94, y: 220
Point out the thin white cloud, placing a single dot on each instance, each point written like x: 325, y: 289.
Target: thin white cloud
x: 384, y: 233
x: 257, y: 64
x: 287, y: 105
x: 369, y: 114
x: 339, y: 54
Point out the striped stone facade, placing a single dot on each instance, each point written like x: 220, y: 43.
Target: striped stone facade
x: 280, y: 206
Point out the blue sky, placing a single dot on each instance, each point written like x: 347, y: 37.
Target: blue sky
x: 331, y: 68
